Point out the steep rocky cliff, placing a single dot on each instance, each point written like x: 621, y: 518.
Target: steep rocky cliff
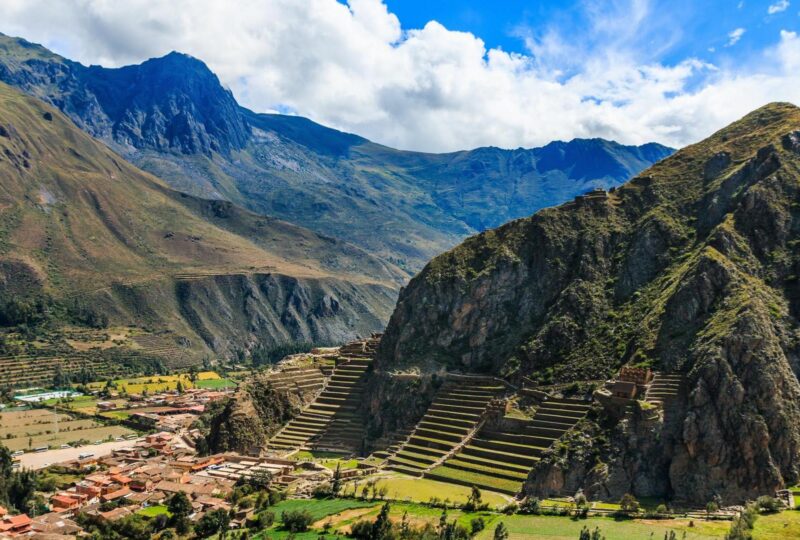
x: 691, y: 267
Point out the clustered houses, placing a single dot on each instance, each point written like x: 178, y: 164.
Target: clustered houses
x: 149, y: 473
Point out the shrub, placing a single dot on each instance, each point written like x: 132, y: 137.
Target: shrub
x: 768, y: 505
x: 477, y: 525
x: 628, y: 503
x: 501, y: 532
x: 531, y: 505
x: 297, y: 520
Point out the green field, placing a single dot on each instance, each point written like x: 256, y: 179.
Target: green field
x: 778, y: 526
x: 215, y: 384
x: 565, y: 528
x: 406, y: 488
x: 153, y: 511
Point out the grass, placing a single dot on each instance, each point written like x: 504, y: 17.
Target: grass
x: 777, y: 526
x: 486, y: 480
x: 153, y: 384
x: 564, y: 528
x: 406, y: 488
x: 153, y: 511
x: 319, y: 508
x: 215, y: 384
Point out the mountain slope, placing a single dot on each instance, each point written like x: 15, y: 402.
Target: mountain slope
x: 78, y: 221
x: 690, y: 268
x: 171, y: 117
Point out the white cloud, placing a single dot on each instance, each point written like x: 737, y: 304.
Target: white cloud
x: 734, y: 37
x: 355, y: 68
x: 777, y: 7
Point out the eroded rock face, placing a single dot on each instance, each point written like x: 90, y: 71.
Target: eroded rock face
x: 691, y: 267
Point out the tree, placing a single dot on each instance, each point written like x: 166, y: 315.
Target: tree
x: 477, y: 525
x: 711, y: 508
x: 179, y: 505
x: 179, y: 387
x: 501, y: 532
x: 586, y: 534
x: 474, y: 500
x: 382, y: 528
x: 212, y: 522
x: 629, y: 504
x: 336, y: 485
x: 297, y: 520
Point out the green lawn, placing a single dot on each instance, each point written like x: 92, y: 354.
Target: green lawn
x: 778, y: 526
x: 153, y: 511
x: 565, y: 528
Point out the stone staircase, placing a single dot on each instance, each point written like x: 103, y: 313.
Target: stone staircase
x: 665, y: 388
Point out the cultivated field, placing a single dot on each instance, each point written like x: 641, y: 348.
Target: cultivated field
x: 29, y: 429
x: 406, y: 488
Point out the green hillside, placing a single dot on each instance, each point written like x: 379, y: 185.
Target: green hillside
x: 78, y: 221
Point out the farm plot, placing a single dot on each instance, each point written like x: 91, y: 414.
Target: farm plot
x: 152, y: 384
x: 29, y: 429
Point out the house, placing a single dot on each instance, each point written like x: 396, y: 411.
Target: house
x: 116, y: 513
x: 55, y: 524
x: 624, y: 389
x: 106, y: 405
x: 61, y: 503
x: 15, y: 525
x: 114, y: 495
x: 141, y: 483
x: 121, y: 479
x: 640, y: 376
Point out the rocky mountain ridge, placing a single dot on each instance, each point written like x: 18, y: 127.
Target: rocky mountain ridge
x: 689, y: 268
x: 79, y: 223
x: 171, y: 117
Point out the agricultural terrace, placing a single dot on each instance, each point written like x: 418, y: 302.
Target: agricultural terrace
x: 400, y: 487
x: 35, y: 428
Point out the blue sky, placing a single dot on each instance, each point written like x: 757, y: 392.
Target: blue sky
x: 442, y: 75
x: 671, y: 31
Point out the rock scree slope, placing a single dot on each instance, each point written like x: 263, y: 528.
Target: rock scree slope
x: 690, y: 268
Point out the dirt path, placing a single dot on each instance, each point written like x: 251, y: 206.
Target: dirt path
x: 40, y: 460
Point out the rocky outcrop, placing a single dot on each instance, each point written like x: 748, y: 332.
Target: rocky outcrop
x: 689, y: 268
x: 246, y: 421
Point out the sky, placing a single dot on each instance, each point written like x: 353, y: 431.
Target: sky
x: 444, y: 75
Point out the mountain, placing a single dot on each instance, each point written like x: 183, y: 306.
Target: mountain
x: 80, y: 224
x: 171, y: 117
x: 691, y: 268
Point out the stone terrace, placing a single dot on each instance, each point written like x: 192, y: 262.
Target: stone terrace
x: 501, y: 460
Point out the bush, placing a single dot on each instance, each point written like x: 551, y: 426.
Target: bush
x: 477, y: 525
x: 531, y: 505
x: 361, y: 530
x: 768, y: 505
x: 629, y: 504
x: 261, y: 521
x: 297, y: 520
